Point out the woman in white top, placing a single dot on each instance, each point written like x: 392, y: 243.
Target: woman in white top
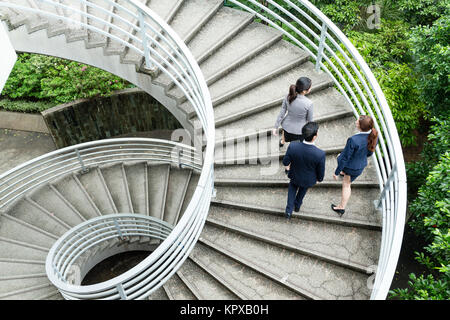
x: 296, y: 111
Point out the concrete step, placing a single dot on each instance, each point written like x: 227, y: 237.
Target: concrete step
x: 276, y: 60
x: 158, y: 177
x: 176, y: 289
x: 243, y: 281
x: 202, y: 284
x: 192, y: 15
x: 216, y: 33
x: 44, y: 289
x: 306, y: 275
x: 22, y: 282
x: 113, y: 46
x: 31, y: 21
x: 94, y: 184
x: 50, y: 200
x: 159, y: 294
x: 192, y: 185
x: 94, y: 38
x: 187, y: 22
x: 241, y: 146
x: 176, y: 191
x: 137, y: 184
x: 72, y: 189
x: 275, y: 170
x: 15, y: 268
x: 350, y: 247
x: 16, y: 229
x: 327, y: 103
x: 13, y: 249
x: 316, y: 204
x: 165, y: 10
x: 32, y: 214
x: 117, y: 184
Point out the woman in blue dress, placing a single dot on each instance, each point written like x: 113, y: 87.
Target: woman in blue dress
x: 353, y: 159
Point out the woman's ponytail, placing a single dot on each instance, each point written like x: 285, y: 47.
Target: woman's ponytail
x: 292, y: 93
x: 365, y: 124
x: 303, y: 84
x: 372, y: 140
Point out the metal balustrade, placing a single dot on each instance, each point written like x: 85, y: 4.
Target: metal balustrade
x: 307, y: 27
x: 302, y: 24
x: 143, y: 32
x: 90, y: 235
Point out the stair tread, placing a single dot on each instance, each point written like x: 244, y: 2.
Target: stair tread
x: 326, y: 103
x: 205, y: 286
x: 13, y: 229
x: 28, y: 213
x: 48, y: 199
x: 116, y: 184
x: 314, y: 278
x: 177, y: 290
x: 190, y: 13
x: 157, y: 189
x: 136, y: 177
x: 248, y: 283
x: 317, y: 201
x: 176, y: 189
x: 353, y: 245
x: 92, y: 182
x: 274, y: 170
x: 75, y: 194
x: 332, y: 135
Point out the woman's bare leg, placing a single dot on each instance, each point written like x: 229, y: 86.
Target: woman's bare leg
x: 282, y: 137
x: 346, y: 192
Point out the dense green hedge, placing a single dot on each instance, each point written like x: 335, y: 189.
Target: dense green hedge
x: 52, y: 80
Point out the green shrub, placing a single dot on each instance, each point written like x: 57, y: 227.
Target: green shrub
x: 431, y: 219
x: 423, y: 12
x: 438, y: 143
x: 431, y: 49
x: 58, y: 81
x: 24, y: 105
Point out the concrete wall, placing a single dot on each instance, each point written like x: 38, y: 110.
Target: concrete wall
x: 125, y: 112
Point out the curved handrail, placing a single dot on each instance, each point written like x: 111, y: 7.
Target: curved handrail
x: 80, y: 239
x: 307, y: 27
x: 146, y: 34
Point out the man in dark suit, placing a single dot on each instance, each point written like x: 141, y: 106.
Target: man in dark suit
x: 307, y: 167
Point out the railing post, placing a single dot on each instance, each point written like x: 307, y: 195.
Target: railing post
x: 387, y: 187
x: 118, y: 228
x: 83, y: 167
x: 122, y: 293
x: 148, y: 64
x: 180, y: 153
x: 323, y: 35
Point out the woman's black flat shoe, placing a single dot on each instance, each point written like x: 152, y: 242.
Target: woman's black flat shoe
x: 340, y: 212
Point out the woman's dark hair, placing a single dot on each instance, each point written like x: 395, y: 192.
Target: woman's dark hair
x: 366, y: 124
x: 302, y: 84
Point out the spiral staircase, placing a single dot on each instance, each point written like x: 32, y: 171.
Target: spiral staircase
x: 246, y: 249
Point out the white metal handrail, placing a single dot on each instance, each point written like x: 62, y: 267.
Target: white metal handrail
x: 306, y: 26
x: 79, y: 240
x: 146, y: 34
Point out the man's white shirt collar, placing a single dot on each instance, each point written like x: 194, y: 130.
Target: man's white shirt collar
x: 310, y: 143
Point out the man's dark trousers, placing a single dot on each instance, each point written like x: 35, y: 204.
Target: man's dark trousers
x: 307, y: 168
x: 295, y: 196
